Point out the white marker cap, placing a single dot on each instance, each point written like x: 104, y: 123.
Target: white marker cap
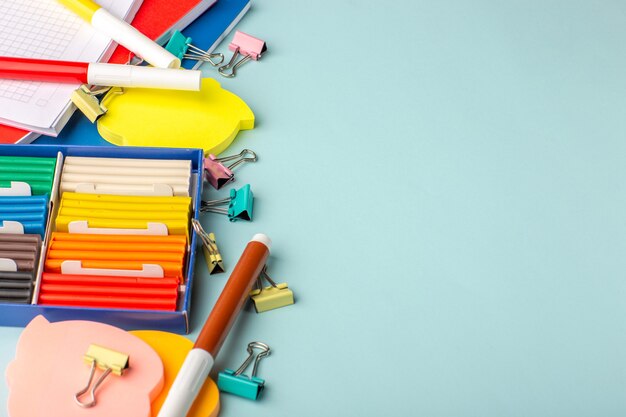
x: 264, y: 239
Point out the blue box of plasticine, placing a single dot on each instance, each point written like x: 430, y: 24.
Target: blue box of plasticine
x: 171, y: 321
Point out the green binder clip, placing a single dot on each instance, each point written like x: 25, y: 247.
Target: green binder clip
x: 240, y: 204
x: 180, y: 46
x: 238, y: 383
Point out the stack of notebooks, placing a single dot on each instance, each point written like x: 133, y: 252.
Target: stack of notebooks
x: 31, y: 109
x: 119, y: 248
x: 25, y: 188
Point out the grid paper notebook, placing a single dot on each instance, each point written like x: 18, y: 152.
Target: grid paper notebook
x: 47, y: 30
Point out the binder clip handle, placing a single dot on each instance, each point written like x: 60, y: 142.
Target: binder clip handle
x: 181, y: 46
x: 246, y: 155
x: 240, y: 204
x: 106, y: 359
x: 92, y: 392
x: 264, y: 276
x: 233, y: 64
x: 211, y: 251
x: 217, y: 174
x: 265, y: 351
x: 204, y: 236
x: 246, y: 45
x: 197, y: 54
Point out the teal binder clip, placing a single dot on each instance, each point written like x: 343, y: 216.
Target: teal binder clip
x: 181, y: 46
x: 240, y: 204
x: 238, y: 383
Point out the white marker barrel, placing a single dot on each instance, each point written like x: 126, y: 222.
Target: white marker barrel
x: 133, y: 40
x: 143, y: 77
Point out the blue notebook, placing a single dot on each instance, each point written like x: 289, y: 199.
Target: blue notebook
x: 210, y: 29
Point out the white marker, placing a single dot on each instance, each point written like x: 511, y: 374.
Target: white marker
x: 123, y: 33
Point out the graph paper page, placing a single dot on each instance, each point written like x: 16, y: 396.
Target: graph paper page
x: 45, y: 29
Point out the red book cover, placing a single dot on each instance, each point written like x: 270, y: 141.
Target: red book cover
x: 10, y: 134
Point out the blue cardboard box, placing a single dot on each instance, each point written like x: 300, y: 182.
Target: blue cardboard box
x: 171, y: 321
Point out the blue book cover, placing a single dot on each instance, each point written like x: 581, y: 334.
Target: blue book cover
x: 210, y: 29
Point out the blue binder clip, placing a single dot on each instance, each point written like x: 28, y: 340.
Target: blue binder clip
x: 181, y: 46
x: 239, y: 203
x: 238, y: 383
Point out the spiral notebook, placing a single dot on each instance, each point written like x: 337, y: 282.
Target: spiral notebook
x: 47, y: 30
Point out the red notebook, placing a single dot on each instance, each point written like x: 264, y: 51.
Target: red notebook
x: 157, y: 19
x: 10, y: 134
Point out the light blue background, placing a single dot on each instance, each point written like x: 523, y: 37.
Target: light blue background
x: 444, y: 185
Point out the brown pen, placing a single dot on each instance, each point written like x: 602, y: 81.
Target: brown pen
x: 200, y: 359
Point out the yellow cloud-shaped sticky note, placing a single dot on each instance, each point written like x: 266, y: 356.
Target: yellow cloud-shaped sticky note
x: 208, y: 119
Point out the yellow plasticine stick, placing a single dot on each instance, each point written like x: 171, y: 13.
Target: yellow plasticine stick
x: 208, y: 119
x: 113, y: 213
x: 128, y: 199
x: 127, y: 206
x: 174, y: 227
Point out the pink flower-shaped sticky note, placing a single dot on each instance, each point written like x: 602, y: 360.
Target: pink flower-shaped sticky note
x: 49, y: 369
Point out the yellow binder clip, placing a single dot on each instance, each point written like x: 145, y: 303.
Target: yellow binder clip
x: 108, y: 361
x: 209, y: 248
x: 86, y: 100
x: 271, y: 297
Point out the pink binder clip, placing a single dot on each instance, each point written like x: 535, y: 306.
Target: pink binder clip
x: 218, y: 174
x: 246, y: 45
